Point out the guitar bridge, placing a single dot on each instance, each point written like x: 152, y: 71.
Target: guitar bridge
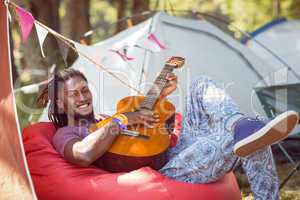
x: 135, y: 134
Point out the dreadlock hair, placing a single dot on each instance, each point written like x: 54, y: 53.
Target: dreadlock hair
x: 50, y: 94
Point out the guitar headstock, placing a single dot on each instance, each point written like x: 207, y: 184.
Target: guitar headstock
x: 176, y: 61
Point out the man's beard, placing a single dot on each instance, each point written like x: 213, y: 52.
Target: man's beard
x: 89, y: 118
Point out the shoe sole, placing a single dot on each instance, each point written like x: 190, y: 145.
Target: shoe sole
x: 275, y: 131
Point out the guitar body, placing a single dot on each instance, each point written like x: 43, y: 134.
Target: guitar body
x: 129, y: 153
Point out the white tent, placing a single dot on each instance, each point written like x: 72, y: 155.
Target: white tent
x: 278, y: 44
x: 208, y: 51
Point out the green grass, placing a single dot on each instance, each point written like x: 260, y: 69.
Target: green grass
x: 291, y: 191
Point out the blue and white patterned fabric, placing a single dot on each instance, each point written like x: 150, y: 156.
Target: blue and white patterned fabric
x: 204, y: 152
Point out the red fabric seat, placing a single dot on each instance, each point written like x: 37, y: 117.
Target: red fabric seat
x: 54, y: 178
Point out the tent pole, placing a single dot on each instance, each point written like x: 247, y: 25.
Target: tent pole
x: 14, y: 174
x: 146, y: 57
x: 276, y: 8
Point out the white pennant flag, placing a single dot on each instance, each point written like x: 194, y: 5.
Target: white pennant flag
x: 42, y: 34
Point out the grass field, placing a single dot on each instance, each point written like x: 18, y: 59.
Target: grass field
x: 291, y: 191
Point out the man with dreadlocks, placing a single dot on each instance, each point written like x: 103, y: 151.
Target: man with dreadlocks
x: 213, y: 137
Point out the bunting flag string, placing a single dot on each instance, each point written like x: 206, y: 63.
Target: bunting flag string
x: 26, y: 21
x: 42, y: 34
x: 68, y: 42
x: 25, y: 18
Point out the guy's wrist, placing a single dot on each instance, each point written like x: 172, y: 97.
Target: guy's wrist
x: 118, y: 121
x: 121, y: 120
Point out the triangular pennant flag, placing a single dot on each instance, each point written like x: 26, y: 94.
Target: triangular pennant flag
x: 146, y: 44
x: 42, y: 34
x: 64, y: 50
x: 25, y: 21
x: 123, y: 54
x: 154, y: 39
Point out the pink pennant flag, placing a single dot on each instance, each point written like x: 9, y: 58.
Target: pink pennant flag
x: 26, y: 21
x: 148, y: 45
x: 124, y: 55
x: 154, y: 39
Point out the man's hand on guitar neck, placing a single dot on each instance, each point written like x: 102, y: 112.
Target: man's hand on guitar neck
x: 147, y: 117
x: 143, y: 116
x: 171, y: 85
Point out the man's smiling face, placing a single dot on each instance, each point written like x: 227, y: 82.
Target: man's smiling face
x: 75, y: 98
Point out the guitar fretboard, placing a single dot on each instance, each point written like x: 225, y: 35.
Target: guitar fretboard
x: 159, y: 83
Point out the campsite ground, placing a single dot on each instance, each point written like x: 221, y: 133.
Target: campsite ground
x: 291, y: 191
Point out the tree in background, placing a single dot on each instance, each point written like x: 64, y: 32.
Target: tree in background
x: 248, y: 15
x: 129, y: 7
x: 293, y: 9
x: 76, y: 20
x: 29, y: 55
x: 73, y: 24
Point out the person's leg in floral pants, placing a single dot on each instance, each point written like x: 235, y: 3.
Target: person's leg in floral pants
x: 204, y: 152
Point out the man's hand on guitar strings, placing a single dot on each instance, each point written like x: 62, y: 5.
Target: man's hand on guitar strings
x: 171, y: 85
x: 143, y: 117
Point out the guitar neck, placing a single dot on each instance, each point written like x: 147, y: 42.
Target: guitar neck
x: 160, y: 82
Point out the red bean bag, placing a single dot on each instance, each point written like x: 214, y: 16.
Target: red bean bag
x: 54, y: 178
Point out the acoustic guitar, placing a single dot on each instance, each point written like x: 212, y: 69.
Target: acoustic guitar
x: 148, y: 147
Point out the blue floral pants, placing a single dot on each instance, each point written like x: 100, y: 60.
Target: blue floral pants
x: 204, y: 152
